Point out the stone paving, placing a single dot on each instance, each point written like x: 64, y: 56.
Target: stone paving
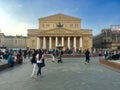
x: 72, y: 74
x: 116, y: 61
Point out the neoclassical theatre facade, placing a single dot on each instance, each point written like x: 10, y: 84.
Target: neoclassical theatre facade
x: 60, y: 29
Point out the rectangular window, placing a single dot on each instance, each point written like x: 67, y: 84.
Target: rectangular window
x: 76, y: 25
x: 47, y: 25
x: 42, y: 25
x: 15, y: 41
x: 71, y: 25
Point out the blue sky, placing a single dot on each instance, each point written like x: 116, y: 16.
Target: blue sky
x: 16, y: 16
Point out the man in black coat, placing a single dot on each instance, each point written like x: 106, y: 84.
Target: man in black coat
x: 87, y: 56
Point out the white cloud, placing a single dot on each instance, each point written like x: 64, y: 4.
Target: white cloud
x: 16, y: 28
x: 9, y: 26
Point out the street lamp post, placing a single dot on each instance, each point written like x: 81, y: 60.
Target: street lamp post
x: 116, y: 40
x: 106, y: 39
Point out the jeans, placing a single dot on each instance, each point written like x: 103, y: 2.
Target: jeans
x: 11, y: 63
x: 39, y: 68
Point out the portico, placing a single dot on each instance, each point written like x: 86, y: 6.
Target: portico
x: 61, y: 41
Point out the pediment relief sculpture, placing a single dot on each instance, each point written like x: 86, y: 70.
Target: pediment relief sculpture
x: 61, y: 30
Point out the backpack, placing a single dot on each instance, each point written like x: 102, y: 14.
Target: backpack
x: 33, y: 60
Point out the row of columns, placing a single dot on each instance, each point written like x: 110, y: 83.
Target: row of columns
x: 56, y: 42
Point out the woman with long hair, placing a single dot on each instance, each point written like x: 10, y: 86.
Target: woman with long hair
x: 33, y: 61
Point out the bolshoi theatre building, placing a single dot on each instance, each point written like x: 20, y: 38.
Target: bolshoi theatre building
x: 59, y: 29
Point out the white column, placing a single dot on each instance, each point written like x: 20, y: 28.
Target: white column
x: 56, y: 40
x: 50, y: 42
x: 74, y: 43
x: 62, y: 41
x: 81, y: 42
x: 69, y: 42
x: 44, y: 42
x: 38, y: 42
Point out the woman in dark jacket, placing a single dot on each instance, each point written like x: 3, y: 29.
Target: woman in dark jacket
x: 33, y: 61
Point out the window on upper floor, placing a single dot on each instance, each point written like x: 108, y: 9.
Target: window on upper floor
x: 15, y: 41
x: 53, y: 25
x: 71, y: 25
x: 65, y: 25
x: 47, y: 25
x: 76, y: 25
x: 42, y: 25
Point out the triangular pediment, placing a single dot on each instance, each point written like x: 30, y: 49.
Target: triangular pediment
x: 59, y: 31
x: 59, y: 17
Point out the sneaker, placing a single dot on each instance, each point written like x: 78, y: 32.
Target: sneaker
x: 32, y: 76
x: 35, y: 77
x: 52, y: 61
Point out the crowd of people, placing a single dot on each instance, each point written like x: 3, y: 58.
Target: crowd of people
x: 37, y: 58
x: 20, y: 55
x: 109, y: 55
x: 13, y: 57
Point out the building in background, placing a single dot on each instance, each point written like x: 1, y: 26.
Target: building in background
x: 108, y: 38
x: 2, y: 39
x: 15, y: 42
x: 58, y: 30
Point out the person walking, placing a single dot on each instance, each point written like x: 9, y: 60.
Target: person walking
x: 34, y: 63
x: 87, y: 56
x: 53, y: 56
x: 60, y: 57
x: 106, y: 54
x: 100, y: 54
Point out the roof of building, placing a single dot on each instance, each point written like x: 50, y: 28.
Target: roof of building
x: 59, y: 16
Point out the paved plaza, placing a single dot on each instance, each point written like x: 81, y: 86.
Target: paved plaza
x: 72, y: 74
